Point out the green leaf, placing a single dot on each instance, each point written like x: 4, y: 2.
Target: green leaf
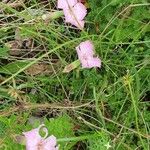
x: 3, y: 51
x: 13, y: 67
x: 2, y: 128
x: 100, y: 142
x: 61, y: 127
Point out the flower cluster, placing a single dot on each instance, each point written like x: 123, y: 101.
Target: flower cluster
x: 34, y: 141
x: 74, y: 12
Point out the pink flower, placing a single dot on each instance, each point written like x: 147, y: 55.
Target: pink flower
x: 35, y: 142
x: 85, y: 53
x: 74, y: 12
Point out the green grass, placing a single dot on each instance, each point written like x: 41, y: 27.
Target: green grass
x: 85, y: 108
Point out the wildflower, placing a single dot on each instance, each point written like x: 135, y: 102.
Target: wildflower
x: 34, y: 141
x: 107, y: 145
x: 74, y: 12
x: 85, y: 53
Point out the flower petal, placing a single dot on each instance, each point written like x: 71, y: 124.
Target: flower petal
x: 75, y: 15
x: 79, y: 53
x: 70, y: 18
x: 32, y: 139
x: 79, y: 24
x: 91, y: 62
x: 63, y: 4
x: 50, y: 143
x: 85, y: 48
x: 84, y: 64
x: 79, y: 11
x: 94, y: 62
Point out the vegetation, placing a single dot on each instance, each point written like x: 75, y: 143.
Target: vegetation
x: 84, y: 108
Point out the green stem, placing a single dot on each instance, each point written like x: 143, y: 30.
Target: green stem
x: 80, y: 138
x: 135, y: 111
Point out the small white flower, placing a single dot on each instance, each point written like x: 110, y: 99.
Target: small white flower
x: 107, y: 145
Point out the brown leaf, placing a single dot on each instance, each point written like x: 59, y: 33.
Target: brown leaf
x: 17, y: 48
x: 14, y: 47
x: 42, y: 68
x: 37, y: 69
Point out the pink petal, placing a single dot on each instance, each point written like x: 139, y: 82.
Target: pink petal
x: 79, y: 11
x: 75, y: 15
x: 84, y: 63
x: 70, y: 18
x: 94, y: 62
x: 85, y: 48
x: 50, y: 143
x: 66, y: 3
x: 81, y: 55
x: 68, y: 15
x: 91, y: 62
x: 32, y: 139
x: 79, y: 24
